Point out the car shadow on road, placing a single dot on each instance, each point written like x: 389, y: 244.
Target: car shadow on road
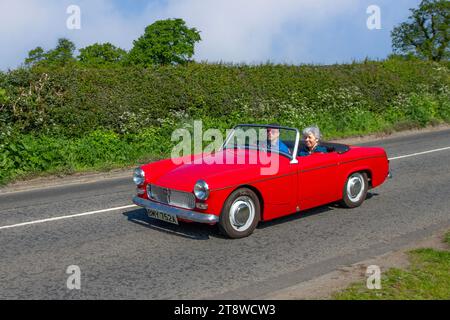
x: 308, y: 213
x: 194, y: 231
x: 198, y: 231
x: 296, y: 216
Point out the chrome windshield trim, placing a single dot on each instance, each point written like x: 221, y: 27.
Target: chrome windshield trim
x: 292, y: 156
x: 227, y: 140
x: 178, y: 212
x: 297, y: 143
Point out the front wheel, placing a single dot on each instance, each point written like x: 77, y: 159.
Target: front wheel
x: 240, y: 214
x: 355, y: 190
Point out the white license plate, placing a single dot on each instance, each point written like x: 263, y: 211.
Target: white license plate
x: 162, y: 216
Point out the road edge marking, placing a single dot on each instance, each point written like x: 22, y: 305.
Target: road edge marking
x: 418, y: 153
x: 66, y: 217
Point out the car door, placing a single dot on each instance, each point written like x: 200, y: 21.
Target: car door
x: 317, y: 179
x: 279, y: 190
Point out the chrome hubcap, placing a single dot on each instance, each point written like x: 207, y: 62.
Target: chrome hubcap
x: 242, y: 213
x: 355, y: 187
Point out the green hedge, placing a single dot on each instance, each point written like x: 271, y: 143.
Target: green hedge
x: 76, y: 117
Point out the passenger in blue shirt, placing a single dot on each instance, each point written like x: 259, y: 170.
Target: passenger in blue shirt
x: 311, y: 136
x: 274, y: 142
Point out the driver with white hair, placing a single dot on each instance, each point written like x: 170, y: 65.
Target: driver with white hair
x: 311, y: 136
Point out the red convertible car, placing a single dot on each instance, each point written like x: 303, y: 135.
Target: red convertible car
x: 246, y: 181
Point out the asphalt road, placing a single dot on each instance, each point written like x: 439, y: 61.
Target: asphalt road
x: 122, y: 254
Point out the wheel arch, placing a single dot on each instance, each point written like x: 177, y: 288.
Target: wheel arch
x: 369, y: 176
x: 367, y: 170
x: 258, y: 194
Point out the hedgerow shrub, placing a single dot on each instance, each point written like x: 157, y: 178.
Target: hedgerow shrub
x: 73, y: 117
x: 422, y: 108
x: 74, y: 100
x: 24, y: 154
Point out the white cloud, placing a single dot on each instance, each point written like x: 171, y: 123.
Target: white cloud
x: 247, y: 30
x: 23, y: 25
x: 232, y: 30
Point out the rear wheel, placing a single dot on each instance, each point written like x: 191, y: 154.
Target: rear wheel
x: 355, y: 190
x: 240, y: 214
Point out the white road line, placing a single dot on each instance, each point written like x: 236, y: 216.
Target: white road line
x: 66, y: 217
x: 134, y: 206
x: 419, y: 153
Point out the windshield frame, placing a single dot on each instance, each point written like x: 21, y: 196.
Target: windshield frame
x: 293, y: 157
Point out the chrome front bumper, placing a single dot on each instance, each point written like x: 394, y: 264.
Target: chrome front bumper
x: 178, y: 212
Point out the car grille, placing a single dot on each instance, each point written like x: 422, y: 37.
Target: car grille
x: 171, y: 197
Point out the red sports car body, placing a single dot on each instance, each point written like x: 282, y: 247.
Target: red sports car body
x: 226, y: 188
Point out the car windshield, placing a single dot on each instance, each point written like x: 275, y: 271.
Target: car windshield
x: 263, y: 137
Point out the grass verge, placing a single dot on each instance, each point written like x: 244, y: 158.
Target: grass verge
x: 427, y: 278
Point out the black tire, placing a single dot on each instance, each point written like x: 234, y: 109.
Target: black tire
x: 355, y: 190
x: 240, y: 214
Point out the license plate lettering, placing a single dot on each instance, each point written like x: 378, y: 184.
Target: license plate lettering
x: 162, y: 216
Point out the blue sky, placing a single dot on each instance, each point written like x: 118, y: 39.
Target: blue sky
x: 239, y: 31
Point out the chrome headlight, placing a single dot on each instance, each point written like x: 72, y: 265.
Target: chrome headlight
x: 201, y: 190
x: 139, y: 176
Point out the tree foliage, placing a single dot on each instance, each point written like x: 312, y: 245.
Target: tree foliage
x: 165, y: 42
x: 101, y: 54
x: 426, y: 33
x: 60, y: 56
x: 35, y: 56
